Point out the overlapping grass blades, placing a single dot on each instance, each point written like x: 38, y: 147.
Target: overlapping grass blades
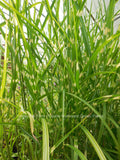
x: 66, y: 136
x: 80, y: 154
x: 63, y: 72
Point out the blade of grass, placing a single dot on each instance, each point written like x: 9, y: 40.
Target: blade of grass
x: 45, y: 140
x: 109, y: 15
x: 63, y: 112
x: 78, y: 152
x: 67, y: 135
x: 94, y: 56
x: 97, y: 113
x: 5, y: 65
x: 94, y: 143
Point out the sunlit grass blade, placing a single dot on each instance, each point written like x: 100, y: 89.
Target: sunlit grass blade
x: 33, y: 25
x: 94, y: 143
x: 31, y: 6
x: 94, y: 56
x: 31, y: 124
x: 109, y: 15
x: 45, y: 140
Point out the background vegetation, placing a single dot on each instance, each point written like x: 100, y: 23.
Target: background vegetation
x: 60, y: 81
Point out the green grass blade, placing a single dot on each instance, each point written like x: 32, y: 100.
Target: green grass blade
x: 107, y: 155
x: 98, y: 114
x: 33, y: 25
x: 109, y: 15
x: 5, y: 65
x: 94, y: 143
x: 63, y: 112
x: 97, y: 51
x: 31, y: 6
x: 1, y: 130
x: 30, y: 145
x: 67, y: 135
x: 45, y: 140
x: 78, y: 152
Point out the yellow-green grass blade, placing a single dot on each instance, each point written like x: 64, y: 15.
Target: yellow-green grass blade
x: 76, y: 146
x: 31, y: 6
x: 49, y: 10
x: 4, y: 6
x: 83, y: 28
x: 85, y: 37
x: 46, y: 18
x: 24, y: 18
x: 2, y: 24
x: 39, y: 14
x: 109, y: 15
x: 76, y: 47
x: 45, y: 140
x: 48, y: 64
x: 15, y: 106
x: 57, y: 9
x: 94, y: 143
x: 63, y: 112
x: 2, y: 49
x: 97, y: 51
x: 27, y: 46
x: 5, y: 65
x: 56, y: 21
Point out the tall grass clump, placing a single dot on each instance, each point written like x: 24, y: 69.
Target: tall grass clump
x: 60, y: 81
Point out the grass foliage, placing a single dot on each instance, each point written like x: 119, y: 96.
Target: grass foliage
x: 60, y: 81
